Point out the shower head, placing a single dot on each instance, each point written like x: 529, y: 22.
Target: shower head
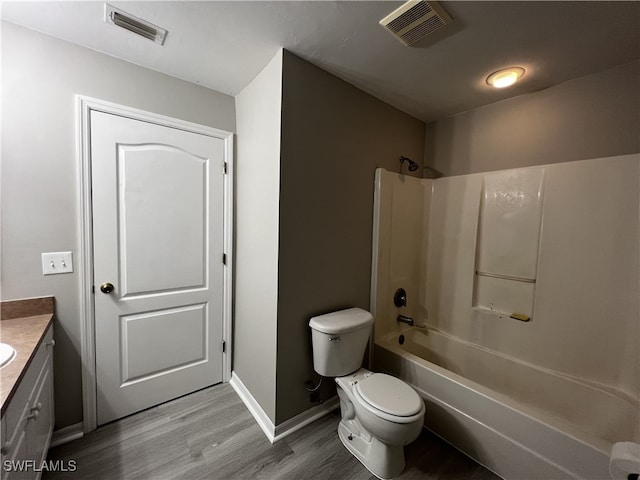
x: 413, y: 166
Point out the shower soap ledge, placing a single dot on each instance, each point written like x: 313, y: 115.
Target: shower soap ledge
x: 487, y: 311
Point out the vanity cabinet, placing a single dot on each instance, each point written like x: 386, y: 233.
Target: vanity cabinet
x: 27, y: 423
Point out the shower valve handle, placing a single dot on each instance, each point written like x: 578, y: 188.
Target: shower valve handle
x: 400, y: 298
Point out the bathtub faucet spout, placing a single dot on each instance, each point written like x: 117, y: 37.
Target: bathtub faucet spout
x: 405, y: 319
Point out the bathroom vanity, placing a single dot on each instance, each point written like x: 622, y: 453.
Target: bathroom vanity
x: 26, y: 392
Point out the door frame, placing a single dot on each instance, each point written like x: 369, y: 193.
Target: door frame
x: 84, y: 106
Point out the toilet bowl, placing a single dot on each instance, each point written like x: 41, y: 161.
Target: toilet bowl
x: 388, y: 407
x: 380, y: 413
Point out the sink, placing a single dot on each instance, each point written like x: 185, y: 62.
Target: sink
x: 7, y: 353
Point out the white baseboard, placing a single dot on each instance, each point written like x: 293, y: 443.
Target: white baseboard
x: 305, y: 418
x: 277, y: 432
x: 66, y: 435
x: 254, y: 407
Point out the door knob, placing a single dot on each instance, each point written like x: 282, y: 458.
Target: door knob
x: 106, y: 287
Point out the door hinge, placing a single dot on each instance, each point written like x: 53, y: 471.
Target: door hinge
x: 224, y: 258
x: 224, y: 346
x: 226, y: 167
x: 93, y: 289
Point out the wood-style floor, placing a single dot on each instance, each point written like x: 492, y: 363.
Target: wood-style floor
x: 211, y: 435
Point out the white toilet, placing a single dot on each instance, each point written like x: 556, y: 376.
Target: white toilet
x: 380, y: 413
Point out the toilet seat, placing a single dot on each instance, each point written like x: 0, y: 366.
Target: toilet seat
x: 389, y: 398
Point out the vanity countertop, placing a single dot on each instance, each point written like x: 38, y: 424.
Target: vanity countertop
x: 23, y: 325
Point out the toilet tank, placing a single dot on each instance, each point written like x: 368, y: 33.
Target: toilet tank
x: 339, y: 341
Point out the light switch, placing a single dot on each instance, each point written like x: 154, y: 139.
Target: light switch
x: 57, y: 262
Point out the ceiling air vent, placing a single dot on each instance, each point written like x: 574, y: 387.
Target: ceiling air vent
x: 415, y: 20
x: 136, y: 25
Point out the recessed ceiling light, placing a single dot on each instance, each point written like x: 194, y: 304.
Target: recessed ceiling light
x: 505, y: 77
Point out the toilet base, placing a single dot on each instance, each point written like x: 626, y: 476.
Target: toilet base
x: 384, y: 461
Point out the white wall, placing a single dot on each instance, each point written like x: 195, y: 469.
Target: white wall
x: 258, y: 109
x: 593, y: 116
x: 40, y: 76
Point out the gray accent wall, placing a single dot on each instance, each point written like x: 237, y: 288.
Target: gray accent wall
x: 40, y: 76
x: 334, y: 136
x: 589, y: 117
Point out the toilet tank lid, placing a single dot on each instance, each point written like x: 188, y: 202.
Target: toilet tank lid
x: 342, y: 321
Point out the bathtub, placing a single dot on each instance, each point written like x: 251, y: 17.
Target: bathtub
x: 518, y: 420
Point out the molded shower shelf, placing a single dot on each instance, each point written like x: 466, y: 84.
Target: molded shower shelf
x: 496, y: 313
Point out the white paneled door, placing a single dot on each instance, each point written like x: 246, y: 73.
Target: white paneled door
x: 158, y: 231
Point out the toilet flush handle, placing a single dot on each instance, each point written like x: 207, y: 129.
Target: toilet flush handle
x: 334, y: 339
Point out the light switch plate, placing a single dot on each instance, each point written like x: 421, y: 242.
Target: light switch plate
x: 57, y: 262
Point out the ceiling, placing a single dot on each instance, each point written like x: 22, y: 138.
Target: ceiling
x: 223, y: 45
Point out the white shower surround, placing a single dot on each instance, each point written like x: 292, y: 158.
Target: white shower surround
x: 591, y: 213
